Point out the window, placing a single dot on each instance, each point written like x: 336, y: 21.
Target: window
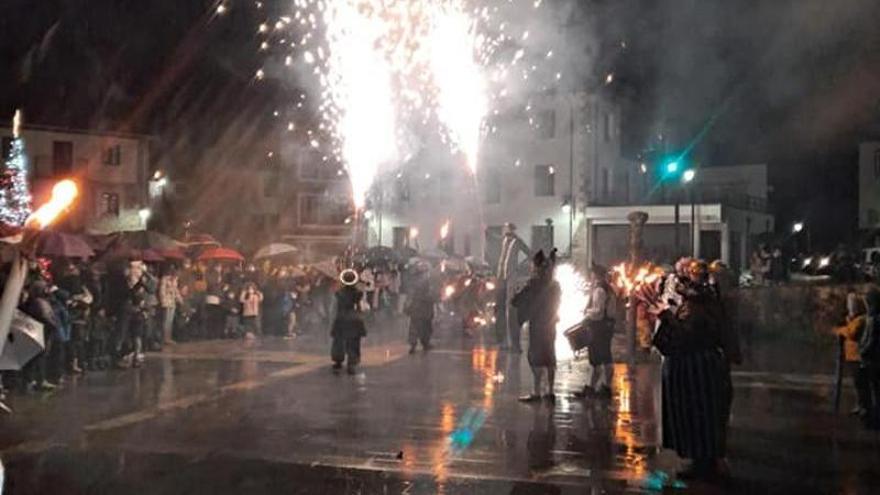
x: 608, y: 126
x: 493, y: 186
x: 876, y: 161
x: 62, y: 158
x: 110, y: 204
x: 401, y: 188
x: 313, y: 167
x: 6, y: 149
x: 323, y: 210
x: 400, y: 237
x: 113, y: 155
x: 271, y: 184
x: 606, y: 187
x: 545, y: 180
x: 547, y: 124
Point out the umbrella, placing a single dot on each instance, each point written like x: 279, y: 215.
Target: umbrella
x: 151, y: 255
x: 171, y: 254
x: 24, y: 342
x: 275, y: 249
x: 147, y: 239
x: 377, y: 255
x: 200, y: 240
x: 327, y: 268
x: 434, y: 253
x: 51, y: 243
x: 221, y: 254
x: 407, y: 252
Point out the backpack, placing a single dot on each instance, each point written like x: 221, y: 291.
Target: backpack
x: 869, y: 342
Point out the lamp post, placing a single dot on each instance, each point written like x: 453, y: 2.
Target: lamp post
x: 800, y: 227
x: 687, y: 178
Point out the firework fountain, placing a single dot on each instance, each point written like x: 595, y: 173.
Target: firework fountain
x: 387, y: 71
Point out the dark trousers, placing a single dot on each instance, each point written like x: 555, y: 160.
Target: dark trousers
x: 868, y: 389
x: 420, y: 330
x: 861, y: 382
x: 346, y: 347
x: 501, y: 312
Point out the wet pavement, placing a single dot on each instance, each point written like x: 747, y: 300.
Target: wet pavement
x: 269, y: 417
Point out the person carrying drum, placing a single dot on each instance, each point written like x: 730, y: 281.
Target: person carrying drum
x: 600, y: 325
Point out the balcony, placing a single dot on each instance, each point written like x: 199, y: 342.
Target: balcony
x: 727, y: 197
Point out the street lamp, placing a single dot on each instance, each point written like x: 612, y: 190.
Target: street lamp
x: 688, y: 175
x: 800, y: 227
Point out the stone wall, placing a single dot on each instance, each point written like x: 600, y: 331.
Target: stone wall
x: 788, y: 328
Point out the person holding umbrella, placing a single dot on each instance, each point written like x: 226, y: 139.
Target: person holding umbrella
x: 348, y: 326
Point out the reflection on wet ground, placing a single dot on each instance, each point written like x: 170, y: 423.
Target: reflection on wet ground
x: 269, y: 417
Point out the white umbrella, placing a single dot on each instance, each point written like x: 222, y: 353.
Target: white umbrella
x: 327, y: 268
x: 24, y: 342
x: 275, y: 249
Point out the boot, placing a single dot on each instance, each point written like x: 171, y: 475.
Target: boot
x: 74, y: 367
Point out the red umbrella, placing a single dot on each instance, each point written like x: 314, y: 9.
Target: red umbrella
x: 200, y: 240
x: 221, y: 254
x: 171, y: 254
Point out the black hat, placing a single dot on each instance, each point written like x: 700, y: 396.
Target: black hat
x: 539, y: 259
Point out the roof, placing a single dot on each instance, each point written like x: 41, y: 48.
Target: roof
x: 85, y: 132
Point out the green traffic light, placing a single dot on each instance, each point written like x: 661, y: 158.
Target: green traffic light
x: 672, y: 167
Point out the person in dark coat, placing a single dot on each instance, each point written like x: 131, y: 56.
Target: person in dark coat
x: 538, y: 304
x: 420, y: 309
x: 696, y: 384
x: 348, y: 326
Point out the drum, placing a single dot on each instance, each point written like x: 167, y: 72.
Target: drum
x: 578, y: 336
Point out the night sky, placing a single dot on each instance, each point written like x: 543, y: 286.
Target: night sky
x: 794, y: 83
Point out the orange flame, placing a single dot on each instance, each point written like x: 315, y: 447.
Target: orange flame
x: 63, y: 195
x: 630, y: 280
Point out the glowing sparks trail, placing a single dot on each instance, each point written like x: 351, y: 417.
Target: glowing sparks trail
x: 358, y: 82
x: 387, y: 69
x: 572, y: 305
x: 461, y: 89
x: 63, y: 195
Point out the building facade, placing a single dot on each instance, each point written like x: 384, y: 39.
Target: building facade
x: 111, y: 170
x: 719, y: 215
x: 538, y: 169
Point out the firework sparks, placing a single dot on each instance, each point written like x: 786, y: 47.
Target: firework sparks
x: 572, y: 305
x: 386, y: 69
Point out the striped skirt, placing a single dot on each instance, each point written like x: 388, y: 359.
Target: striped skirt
x: 696, y: 393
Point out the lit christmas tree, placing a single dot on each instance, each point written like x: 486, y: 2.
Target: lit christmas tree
x: 15, y: 198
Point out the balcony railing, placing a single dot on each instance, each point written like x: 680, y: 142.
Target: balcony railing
x: 733, y: 199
